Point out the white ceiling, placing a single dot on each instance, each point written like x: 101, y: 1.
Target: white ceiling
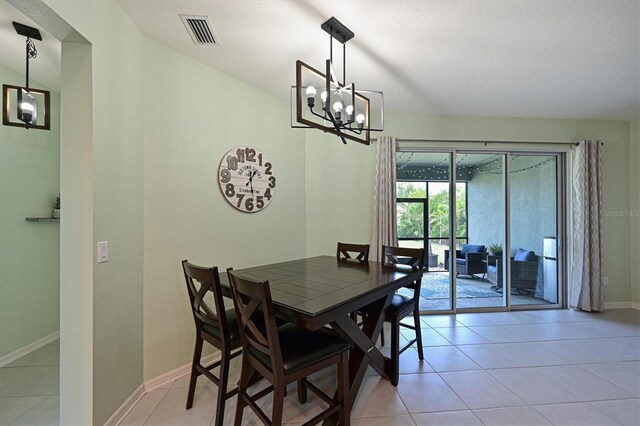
x: 45, y: 68
x: 513, y: 58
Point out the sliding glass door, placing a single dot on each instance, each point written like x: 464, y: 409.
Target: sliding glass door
x: 491, y: 235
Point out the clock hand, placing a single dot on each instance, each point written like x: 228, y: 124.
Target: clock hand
x: 251, y: 175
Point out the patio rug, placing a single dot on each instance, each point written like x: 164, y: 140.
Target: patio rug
x: 436, y: 286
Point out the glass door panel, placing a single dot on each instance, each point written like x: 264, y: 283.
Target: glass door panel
x: 480, y: 217
x: 534, y: 229
x: 423, y: 201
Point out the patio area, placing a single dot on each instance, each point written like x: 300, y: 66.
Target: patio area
x: 470, y: 293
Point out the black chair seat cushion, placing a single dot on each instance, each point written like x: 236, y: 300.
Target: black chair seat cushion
x: 232, y: 323
x: 399, y: 303
x: 301, y: 347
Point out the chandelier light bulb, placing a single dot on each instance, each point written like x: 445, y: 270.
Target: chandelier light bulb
x: 349, y: 110
x: 311, y: 93
x: 360, y: 121
x: 323, y: 96
x: 337, y: 107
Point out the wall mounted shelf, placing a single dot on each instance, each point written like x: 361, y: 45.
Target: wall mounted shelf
x: 41, y: 219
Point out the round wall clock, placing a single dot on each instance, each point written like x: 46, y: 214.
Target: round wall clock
x: 246, y: 179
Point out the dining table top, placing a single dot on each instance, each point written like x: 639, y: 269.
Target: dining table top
x: 312, y: 291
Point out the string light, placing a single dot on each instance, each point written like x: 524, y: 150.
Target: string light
x: 440, y: 171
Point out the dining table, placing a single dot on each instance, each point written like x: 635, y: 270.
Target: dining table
x: 323, y: 291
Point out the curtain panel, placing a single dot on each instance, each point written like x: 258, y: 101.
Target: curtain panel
x: 587, y: 267
x: 384, y: 203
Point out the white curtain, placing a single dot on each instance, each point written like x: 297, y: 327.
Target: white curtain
x: 384, y: 203
x: 587, y: 268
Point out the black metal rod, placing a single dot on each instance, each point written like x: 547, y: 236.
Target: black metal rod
x: 344, y: 64
x: 486, y: 142
x: 27, y: 56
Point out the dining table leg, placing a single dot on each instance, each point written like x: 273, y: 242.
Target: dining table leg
x: 364, y: 351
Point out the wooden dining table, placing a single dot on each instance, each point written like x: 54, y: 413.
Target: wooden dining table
x: 319, y: 291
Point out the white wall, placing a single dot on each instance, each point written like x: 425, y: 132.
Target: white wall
x: 634, y: 217
x: 193, y: 116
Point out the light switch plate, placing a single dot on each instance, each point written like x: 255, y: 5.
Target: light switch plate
x: 103, y: 251
x: 605, y: 281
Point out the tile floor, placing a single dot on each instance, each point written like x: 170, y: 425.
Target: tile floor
x: 29, y: 388
x: 519, y: 368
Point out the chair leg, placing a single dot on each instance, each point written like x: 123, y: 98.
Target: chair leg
x: 343, y: 390
x: 245, y: 376
x: 222, y: 388
x: 395, y: 351
x: 416, y: 320
x: 278, y: 403
x: 382, y: 335
x: 197, y: 353
x: 302, y: 392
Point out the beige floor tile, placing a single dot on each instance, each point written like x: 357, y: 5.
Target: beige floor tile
x: 624, y: 411
x: 399, y: 420
x: 171, y: 408
x: 12, y: 408
x: 448, y: 358
x: 470, y: 320
x: 411, y: 364
x: 431, y: 337
x: 578, y: 414
x: 622, y: 374
x: 447, y: 418
x: 461, y: 336
x: 45, y: 413
x: 42, y: 381
x: 521, y: 416
x: 497, y: 333
x: 440, y: 321
x: 377, y: 397
x: 490, y: 356
x: 581, y: 382
x: 533, y: 387
x: 532, y: 354
x: 466, y: 385
x: 422, y: 393
x: 144, y: 407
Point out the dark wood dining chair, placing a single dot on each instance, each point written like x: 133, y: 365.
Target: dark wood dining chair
x: 219, y: 328
x: 283, y: 355
x: 402, y: 305
x: 344, y: 251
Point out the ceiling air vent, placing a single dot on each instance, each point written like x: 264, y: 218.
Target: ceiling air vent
x: 200, y: 29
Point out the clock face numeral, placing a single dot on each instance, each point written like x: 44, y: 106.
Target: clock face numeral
x: 246, y: 179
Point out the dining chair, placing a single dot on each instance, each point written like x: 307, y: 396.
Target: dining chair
x: 283, y: 355
x: 360, y: 251
x: 403, y: 305
x: 219, y: 328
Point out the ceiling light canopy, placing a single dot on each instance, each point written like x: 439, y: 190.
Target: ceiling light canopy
x: 339, y: 108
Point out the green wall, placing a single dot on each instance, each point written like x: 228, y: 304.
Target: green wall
x: 30, y: 260
x: 105, y: 319
x: 634, y: 219
x: 339, y: 198
x: 188, y: 128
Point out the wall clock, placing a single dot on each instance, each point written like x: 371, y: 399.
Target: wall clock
x: 247, y: 179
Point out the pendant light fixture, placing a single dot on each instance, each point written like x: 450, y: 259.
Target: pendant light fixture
x: 324, y: 102
x: 27, y: 109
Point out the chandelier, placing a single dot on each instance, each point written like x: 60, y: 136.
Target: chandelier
x: 325, y: 102
x: 29, y: 112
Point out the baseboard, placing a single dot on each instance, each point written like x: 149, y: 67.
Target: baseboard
x: 124, y: 409
x: 156, y: 382
x: 9, y: 358
x: 152, y: 384
x: 622, y: 305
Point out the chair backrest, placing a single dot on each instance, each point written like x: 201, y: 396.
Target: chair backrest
x: 252, y: 300
x: 413, y: 257
x: 345, y: 250
x: 200, y: 282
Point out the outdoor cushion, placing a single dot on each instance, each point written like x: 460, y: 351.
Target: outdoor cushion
x: 492, y: 268
x: 472, y: 248
x: 523, y: 255
x: 461, y: 261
